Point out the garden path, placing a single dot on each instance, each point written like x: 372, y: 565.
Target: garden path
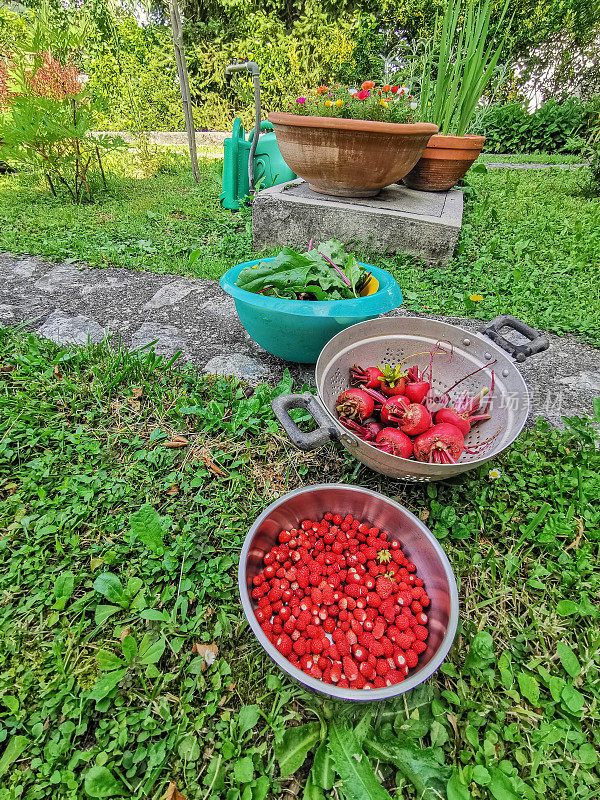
x: 69, y: 302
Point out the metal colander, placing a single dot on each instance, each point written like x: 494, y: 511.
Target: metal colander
x: 388, y: 341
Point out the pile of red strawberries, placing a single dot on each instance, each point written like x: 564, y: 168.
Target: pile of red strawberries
x: 388, y: 408
x: 342, y: 603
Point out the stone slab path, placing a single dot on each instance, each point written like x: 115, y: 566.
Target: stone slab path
x: 70, y: 303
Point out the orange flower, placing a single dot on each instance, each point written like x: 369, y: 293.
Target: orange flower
x: 322, y: 89
x: 386, y: 87
x: 368, y: 85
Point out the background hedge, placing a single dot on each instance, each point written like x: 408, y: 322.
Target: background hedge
x: 302, y: 43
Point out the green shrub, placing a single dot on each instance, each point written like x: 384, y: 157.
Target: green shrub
x: 555, y: 127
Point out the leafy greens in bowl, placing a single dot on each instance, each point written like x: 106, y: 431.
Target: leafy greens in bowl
x: 325, y: 272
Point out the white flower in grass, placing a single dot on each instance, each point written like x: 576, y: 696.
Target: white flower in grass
x: 494, y: 474
x: 414, y: 105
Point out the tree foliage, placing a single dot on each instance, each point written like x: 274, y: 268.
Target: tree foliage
x: 302, y: 43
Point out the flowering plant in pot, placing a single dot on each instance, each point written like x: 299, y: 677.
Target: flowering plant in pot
x: 457, y: 69
x: 351, y: 142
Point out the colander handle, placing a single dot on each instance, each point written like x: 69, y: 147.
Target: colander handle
x: 537, y: 342
x: 325, y: 431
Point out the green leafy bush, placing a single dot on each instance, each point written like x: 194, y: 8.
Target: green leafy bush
x: 45, y: 124
x: 555, y: 127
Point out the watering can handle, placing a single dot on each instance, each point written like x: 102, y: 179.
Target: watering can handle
x: 537, y: 342
x: 325, y: 431
x: 265, y: 125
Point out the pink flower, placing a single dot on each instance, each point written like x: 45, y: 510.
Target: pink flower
x: 362, y: 95
x: 301, y: 100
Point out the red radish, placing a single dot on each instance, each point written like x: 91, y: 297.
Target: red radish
x: 411, y: 418
x: 393, y: 441
x: 367, y: 432
x: 355, y: 404
x: 416, y: 420
x: 463, y: 413
x: 417, y: 391
x: 393, y: 382
x: 416, y: 385
x: 394, y: 409
x: 369, y: 377
x: 441, y: 444
x: 452, y: 417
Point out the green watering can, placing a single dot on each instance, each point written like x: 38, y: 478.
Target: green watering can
x: 253, y: 163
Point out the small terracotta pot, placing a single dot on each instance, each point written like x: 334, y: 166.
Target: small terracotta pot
x: 444, y: 162
x: 349, y: 157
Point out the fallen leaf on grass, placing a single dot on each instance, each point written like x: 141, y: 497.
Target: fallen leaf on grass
x: 173, y: 490
x: 210, y: 464
x: 208, y: 652
x: 424, y: 514
x: 173, y: 793
x: 7, y: 367
x: 575, y: 543
x: 125, y: 632
x: 135, y: 404
x: 176, y: 441
x: 57, y: 372
x: 137, y: 391
x: 452, y: 720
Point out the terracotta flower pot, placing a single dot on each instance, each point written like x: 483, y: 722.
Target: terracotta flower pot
x: 349, y: 157
x: 445, y: 161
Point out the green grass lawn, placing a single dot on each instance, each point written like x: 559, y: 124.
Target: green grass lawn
x: 530, y: 243
x: 103, y: 691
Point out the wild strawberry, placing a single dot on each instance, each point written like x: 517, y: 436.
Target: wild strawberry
x: 420, y: 632
x: 379, y: 628
x: 316, y: 646
x: 359, y: 653
x: 399, y: 659
x: 351, y: 637
x: 341, y: 643
x: 284, y: 644
x: 393, y: 677
x: 382, y: 668
x: 299, y: 647
x: 384, y: 587
x: 350, y: 669
x: 329, y: 625
x: 388, y: 647
x: 404, y: 641
x: 402, y: 622
x: 418, y: 646
x: 412, y: 659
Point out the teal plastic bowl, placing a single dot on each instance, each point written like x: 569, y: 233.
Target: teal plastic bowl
x: 297, y: 330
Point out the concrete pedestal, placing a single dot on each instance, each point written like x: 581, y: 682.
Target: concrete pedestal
x: 398, y: 220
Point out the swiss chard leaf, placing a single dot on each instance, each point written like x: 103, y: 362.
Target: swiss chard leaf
x: 288, y: 269
x: 326, y: 272
x: 417, y: 764
x: 291, y: 752
x: 353, y: 766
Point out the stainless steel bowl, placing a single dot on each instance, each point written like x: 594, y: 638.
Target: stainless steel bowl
x: 418, y: 544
